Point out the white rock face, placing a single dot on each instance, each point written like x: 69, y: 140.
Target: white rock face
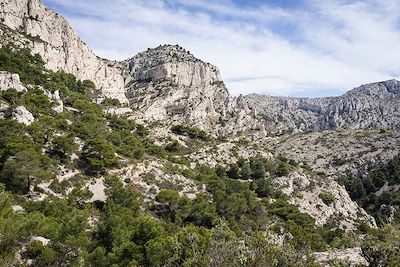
x: 22, y: 115
x: 10, y: 80
x: 370, y: 106
x: 55, y: 97
x: 168, y: 83
x: 60, y: 47
x: 303, y: 191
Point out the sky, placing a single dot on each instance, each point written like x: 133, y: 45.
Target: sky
x: 306, y: 48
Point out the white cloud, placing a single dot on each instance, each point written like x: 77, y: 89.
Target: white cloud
x: 336, y: 45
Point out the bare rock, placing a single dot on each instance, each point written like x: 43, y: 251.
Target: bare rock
x: 370, y: 106
x: 3, y: 108
x: 50, y: 35
x: 22, y: 115
x: 10, y: 80
x: 304, y: 192
x: 352, y: 256
x: 388, y: 212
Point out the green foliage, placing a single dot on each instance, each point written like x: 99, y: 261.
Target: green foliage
x: 24, y: 169
x: 111, y: 102
x: 381, y: 246
x: 362, y: 188
x: 327, y: 198
x: 227, y: 225
x: 29, y: 67
x: 191, y: 132
x: 286, y: 211
x: 174, y: 146
x: 63, y: 147
x: 98, y: 154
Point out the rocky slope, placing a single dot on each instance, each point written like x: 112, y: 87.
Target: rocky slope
x: 334, y: 153
x: 162, y: 84
x: 369, y: 106
x: 170, y: 83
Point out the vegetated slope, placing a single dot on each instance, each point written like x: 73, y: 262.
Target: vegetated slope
x: 334, y: 153
x: 88, y: 187
x: 75, y: 190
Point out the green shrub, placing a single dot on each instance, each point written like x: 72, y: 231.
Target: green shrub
x: 327, y: 198
x: 193, y: 133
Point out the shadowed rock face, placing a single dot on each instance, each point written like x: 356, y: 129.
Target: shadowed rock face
x: 369, y: 106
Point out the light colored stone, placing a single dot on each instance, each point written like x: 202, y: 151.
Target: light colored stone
x: 45, y: 241
x: 370, y: 106
x: 303, y: 191
x: 22, y: 115
x: 9, y: 80
x: 3, y: 108
x: 97, y: 188
x: 60, y: 47
x: 17, y: 208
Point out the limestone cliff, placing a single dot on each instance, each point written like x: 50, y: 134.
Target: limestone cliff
x: 370, y: 106
x: 168, y: 83
x: 47, y: 33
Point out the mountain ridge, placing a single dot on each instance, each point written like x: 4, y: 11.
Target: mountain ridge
x: 168, y: 83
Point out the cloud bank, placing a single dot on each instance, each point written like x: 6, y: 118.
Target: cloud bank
x: 316, y: 48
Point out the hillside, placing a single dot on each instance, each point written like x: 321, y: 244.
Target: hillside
x: 150, y: 162
x: 370, y: 106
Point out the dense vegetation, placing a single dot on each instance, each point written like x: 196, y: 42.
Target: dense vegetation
x: 231, y: 223
x: 364, y: 189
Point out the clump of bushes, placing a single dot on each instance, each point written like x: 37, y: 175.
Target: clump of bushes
x: 327, y: 198
x: 191, y: 132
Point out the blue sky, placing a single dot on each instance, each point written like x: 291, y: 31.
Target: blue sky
x: 282, y: 47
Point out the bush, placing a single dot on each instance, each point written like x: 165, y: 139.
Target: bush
x: 111, y: 102
x: 193, y: 133
x: 98, y: 154
x: 327, y: 198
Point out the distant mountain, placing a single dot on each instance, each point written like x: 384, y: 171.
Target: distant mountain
x: 370, y: 106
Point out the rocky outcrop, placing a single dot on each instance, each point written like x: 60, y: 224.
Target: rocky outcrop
x: 370, y: 106
x: 169, y: 83
x: 335, y: 153
x: 304, y: 191
x: 10, y: 80
x: 22, y: 115
x: 56, y: 99
x: 49, y: 34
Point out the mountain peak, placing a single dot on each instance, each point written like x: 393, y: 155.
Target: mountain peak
x: 173, y: 63
x: 381, y: 88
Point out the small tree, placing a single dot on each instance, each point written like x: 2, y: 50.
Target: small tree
x: 98, y: 154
